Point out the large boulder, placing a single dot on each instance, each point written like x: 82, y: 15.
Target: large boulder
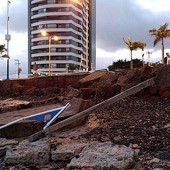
x: 163, y: 82
x: 109, y: 78
x: 111, y: 90
x: 104, y: 156
x: 71, y: 92
x: 130, y: 79
x: 146, y: 72
x: 88, y: 93
x: 93, y: 77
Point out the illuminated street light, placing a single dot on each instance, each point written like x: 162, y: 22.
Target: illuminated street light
x: 45, y: 34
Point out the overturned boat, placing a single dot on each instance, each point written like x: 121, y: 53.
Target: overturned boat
x: 45, y: 119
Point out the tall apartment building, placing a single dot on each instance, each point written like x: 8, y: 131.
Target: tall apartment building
x: 74, y: 24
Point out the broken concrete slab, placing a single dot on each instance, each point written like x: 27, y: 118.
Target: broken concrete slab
x: 5, y: 142
x: 29, y: 153
x: 104, y: 156
x: 67, y: 151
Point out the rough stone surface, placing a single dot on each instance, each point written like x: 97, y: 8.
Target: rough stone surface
x: 29, y: 153
x: 88, y: 93
x: 5, y: 142
x: 130, y: 79
x: 93, y: 77
x: 163, y: 82
x: 67, y: 151
x: 74, y: 108
x: 104, y: 156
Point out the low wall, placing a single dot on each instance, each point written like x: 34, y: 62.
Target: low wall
x: 60, y: 81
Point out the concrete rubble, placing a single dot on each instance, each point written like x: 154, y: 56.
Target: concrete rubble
x: 104, y: 156
x: 29, y: 153
x: 77, y: 155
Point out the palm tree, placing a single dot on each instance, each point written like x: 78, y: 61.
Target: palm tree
x: 134, y: 46
x: 2, y: 49
x: 160, y: 34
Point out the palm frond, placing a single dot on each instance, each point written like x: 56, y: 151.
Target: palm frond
x: 2, y: 49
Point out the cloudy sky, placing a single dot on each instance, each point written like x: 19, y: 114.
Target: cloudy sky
x: 116, y: 19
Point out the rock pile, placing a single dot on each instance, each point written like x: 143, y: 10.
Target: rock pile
x: 41, y: 154
x: 132, y: 134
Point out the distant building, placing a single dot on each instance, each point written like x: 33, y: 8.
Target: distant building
x: 74, y: 24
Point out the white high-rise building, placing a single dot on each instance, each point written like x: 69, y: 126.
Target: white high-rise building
x: 73, y: 22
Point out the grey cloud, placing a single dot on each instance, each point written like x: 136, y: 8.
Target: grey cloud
x: 17, y: 15
x: 115, y: 19
x: 121, y: 18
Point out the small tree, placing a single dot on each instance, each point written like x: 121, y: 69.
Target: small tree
x: 2, y: 49
x: 160, y: 34
x: 72, y: 67
x: 124, y: 64
x: 134, y: 46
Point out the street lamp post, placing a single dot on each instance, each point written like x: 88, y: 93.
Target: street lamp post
x: 149, y: 63
x: 50, y: 38
x: 8, y: 38
x: 143, y: 62
x: 19, y: 69
x: 167, y: 56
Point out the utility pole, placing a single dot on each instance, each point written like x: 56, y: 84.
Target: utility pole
x: 167, y: 56
x: 19, y: 69
x: 149, y: 63
x: 143, y: 62
x: 8, y: 38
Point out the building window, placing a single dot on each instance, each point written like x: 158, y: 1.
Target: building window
x: 67, y: 9
x: 51, y: 25
x: 42, y: 11
x: 51, y: 1
x: 67, y: 25
x: 53, y: 49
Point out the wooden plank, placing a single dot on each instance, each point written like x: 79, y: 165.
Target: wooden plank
x: 101, y: 105
x: 97, y: 107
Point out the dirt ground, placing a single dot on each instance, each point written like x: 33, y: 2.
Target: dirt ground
x: 141, y: 123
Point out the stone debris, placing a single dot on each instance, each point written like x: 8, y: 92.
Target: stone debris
x: 29, y: 153
x: 67, y: 151
x: 138, y: 125
x: 104, y: 156
x: 6, y: 142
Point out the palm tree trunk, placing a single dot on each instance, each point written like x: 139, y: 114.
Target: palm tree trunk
x: 163, y: 51
x: 131, y: 62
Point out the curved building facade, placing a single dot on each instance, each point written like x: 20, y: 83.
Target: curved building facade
x: 73, y: 22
